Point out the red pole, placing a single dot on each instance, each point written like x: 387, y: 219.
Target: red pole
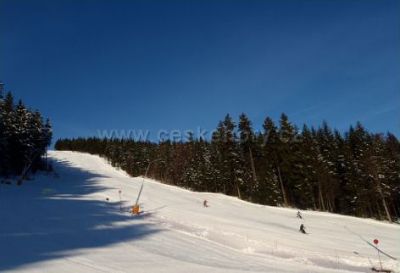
x: 376, y: 242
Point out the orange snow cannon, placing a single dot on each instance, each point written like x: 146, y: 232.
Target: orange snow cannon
x: 135, y: 209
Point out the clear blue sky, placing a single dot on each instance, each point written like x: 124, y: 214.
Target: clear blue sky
x: 93, y: 65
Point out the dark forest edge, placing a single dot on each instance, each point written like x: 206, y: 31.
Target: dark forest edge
x: 24, y: 138
x: 355, y: 173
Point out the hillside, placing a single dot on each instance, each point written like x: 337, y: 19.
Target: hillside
x: 71, y: 221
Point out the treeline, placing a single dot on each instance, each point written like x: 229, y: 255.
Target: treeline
x: 355, y: 173
x: 24, y: 138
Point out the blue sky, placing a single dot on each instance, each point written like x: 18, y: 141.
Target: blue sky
x: 94, y: 65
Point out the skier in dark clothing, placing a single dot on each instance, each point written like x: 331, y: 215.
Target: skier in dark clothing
x: 302, y: 229
x: 299, y: 215
x: 205, y: 203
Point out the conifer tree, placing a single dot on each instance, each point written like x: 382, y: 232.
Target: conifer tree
x: 273, y: 160
x: 286, y: 156
x: 309, y: 150
x: 23, y: 138
x: 248, y: 149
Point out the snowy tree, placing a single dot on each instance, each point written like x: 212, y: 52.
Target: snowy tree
x: 23, y: 138
x: 248, y: 151
x: 273, y: 161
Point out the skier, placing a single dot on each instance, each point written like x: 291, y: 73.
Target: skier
x: 299, y: 215
x: 205, y: 203
x: 302, y: 229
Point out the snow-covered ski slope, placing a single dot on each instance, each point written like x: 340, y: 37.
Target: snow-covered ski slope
x: 71, y: 222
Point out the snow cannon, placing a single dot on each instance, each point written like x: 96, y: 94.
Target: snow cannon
x: 135, y: 209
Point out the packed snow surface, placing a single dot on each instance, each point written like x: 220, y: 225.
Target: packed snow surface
x: 73, y: 221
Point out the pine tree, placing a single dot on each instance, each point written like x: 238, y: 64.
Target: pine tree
x: 359, y: 141
x: 326, y: 169
x: 247, y: 149
x: 21, y: 135
x: 392, y: 171
x: 378, y: 164
x: 309, y: 150
x: 229, y: 162
x: 272, y: 159
x: 286, y: 155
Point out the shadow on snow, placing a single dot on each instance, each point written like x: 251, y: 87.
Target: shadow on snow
x: 45, y: 219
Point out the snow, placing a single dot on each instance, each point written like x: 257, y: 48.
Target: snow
x: 63, y: 223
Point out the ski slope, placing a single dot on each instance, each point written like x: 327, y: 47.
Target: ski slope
x: 73, y: 221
